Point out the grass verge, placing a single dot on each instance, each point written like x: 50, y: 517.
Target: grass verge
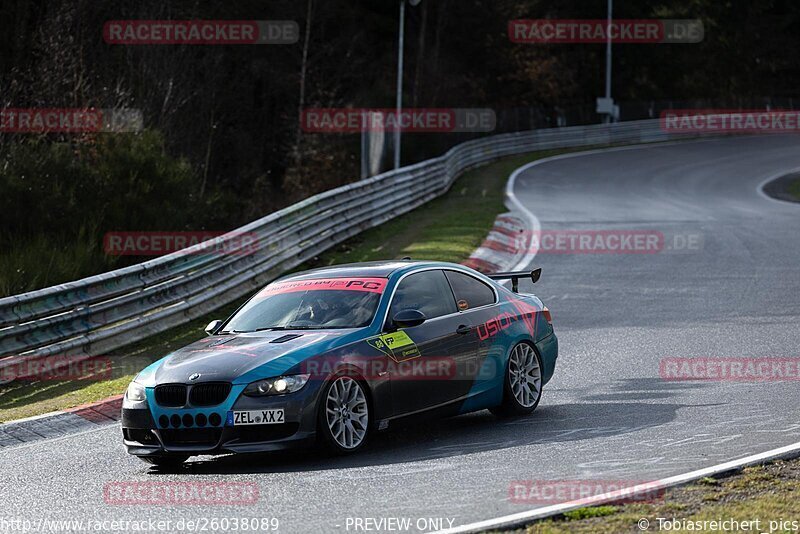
x: 765, y: 493
x: 794, y: 189
x: 448, y: 228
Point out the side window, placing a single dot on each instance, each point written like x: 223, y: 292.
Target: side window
x: 427, y: 292
x: 470, y: 292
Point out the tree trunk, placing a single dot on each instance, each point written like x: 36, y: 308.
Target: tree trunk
x: 298, y: 158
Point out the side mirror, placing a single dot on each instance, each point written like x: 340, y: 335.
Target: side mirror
x: 408, y: 318
x: 212, y: 327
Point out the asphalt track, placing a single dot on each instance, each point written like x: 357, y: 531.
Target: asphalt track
x: 607, y: 415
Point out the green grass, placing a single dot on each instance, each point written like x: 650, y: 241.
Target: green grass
x: 58, y: 198
x: 594, y: 511
x: 769, y: 492
x: 448, y: 228
x: 794, y: 189
x: 40, y: 261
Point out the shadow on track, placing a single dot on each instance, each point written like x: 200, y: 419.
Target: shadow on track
x: 473, y: 433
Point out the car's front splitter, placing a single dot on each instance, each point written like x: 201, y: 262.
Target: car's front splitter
x: 229, y: 442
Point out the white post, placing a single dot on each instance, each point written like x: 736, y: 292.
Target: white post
x: 608, y: 57
x: 399, y: 106
x: 364, y: 154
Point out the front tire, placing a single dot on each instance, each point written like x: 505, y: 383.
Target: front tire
x: 522, y: 384
x: 344, y: 415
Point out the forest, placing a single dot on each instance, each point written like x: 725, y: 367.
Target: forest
x: 222, y: 142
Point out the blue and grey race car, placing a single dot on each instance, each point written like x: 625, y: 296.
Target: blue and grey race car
x: 330, y: 354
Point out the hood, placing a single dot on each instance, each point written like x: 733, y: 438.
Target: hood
x: 228, y: 357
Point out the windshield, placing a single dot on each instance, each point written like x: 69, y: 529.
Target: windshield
x: 310, y: 304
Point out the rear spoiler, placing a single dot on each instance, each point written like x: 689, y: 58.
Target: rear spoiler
x: 515, y: 277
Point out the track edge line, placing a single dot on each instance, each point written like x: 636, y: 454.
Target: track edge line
x: 523, y: 518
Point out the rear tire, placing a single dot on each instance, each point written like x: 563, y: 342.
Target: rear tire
x: 344, y: 416
x: 164, y: 461
x: 522, y: 384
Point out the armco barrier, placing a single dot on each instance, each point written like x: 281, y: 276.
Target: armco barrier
x: 103, y: 312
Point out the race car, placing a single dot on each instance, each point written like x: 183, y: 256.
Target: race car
x: 329, y: 355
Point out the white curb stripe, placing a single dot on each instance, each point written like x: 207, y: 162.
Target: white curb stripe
x: 31, y: 418
x: 521, y: 518
x: 48, y: 441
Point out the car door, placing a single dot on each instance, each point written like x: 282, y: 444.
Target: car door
x: 476, y: 301
x: 446, y: 344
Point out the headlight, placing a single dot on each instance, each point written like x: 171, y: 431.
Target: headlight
x: 135, y: 392
x: 276, y: 386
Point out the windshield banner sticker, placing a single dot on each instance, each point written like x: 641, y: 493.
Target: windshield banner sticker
x: 370, y: 285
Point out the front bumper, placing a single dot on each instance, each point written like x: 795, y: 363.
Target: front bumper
x: 145, y: 435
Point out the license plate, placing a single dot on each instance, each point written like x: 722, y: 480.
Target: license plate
x: 255, y: 417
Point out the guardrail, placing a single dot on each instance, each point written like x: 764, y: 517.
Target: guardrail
x: 103, y: 312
